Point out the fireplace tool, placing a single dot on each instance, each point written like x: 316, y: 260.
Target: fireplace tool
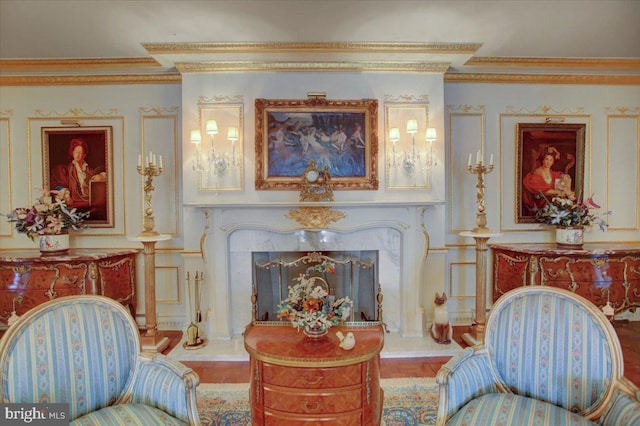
x: 194, y: 341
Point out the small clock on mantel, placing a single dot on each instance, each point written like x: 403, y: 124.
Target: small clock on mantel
x: 316, y: 184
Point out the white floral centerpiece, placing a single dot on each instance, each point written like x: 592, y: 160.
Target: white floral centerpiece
x: 49, y: 215
x: 567, y: 211
x: 310, y: 307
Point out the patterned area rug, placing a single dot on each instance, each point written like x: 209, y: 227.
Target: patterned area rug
x: 407, y: 401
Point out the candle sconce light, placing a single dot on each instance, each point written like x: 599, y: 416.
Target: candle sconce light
x: 410, y: 142
x: 419, y: 157
x: 218, y: 163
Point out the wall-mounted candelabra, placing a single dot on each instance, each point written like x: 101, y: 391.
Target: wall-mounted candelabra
x: 414, y: 158
x: 216, y: 163
x: 149, y: 169
x: 479, y: 169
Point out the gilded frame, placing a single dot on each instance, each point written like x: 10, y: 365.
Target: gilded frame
x: 290, y: 133
x: 564, y: 144
x: 58, y: 171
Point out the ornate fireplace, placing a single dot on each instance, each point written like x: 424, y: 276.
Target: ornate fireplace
x: 238, y: 235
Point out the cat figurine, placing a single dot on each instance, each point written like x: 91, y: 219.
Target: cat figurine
x: 441, y: 330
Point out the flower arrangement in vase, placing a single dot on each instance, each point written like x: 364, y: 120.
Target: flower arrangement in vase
x: 49, y: 216
x: 571, y: 215
x: 310, y: 307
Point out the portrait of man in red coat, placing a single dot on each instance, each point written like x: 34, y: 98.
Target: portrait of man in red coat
x: 77, y: 166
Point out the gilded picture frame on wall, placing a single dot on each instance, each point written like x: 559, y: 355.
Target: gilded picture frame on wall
x: 338, y: 134
x: 78, y: 161
x: 550, y: 158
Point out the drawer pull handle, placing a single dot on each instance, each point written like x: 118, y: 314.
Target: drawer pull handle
x: 316, y: 405
x: 317, y: 380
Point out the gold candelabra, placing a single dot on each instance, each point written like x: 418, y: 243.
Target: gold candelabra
x: 479, y: 169
x: 149, y: 170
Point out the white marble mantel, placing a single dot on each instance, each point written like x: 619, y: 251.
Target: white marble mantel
x: 400, y: 232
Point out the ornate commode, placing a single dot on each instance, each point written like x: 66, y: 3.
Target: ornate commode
x: 28, y: 279
x: 598, y: 272
x: 296, y: 380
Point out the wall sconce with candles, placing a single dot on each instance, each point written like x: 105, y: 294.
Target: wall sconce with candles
x: 417, y: 158
x: 216, y: 163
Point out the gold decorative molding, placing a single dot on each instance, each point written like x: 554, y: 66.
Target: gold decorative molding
x: 79, y: 80
x: 308, y: 66
x: 465, y: 108
x: 77, y: 112
x: 159, y: 110
x: 452, y: 77
x: 206, y: 100
x: 622, y: 110
x: 6, y: 112
x: 423, y: 99
x: 39, y: 65
x: 315, y: 217
x: 310, y: 47
x: 533, y: 62
x: 544, y: 110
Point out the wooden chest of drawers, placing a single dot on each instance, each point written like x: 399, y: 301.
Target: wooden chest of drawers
x: 299, y: 381
x: 598, y: 272
x: 29, y: 279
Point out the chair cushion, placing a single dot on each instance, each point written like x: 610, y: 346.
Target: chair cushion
x: 552, y: 348
x: 131, y: 414
x: 509, y: 409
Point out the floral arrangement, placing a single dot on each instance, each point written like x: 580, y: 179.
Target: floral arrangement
x: 50, y: 215
x: 310, y: 306
x: 567, y: 211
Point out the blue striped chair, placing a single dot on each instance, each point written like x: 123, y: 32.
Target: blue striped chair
x: 550, y: 357
x: 85, y: 351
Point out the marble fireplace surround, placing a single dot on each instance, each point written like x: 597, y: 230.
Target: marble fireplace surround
x: 233, y: 231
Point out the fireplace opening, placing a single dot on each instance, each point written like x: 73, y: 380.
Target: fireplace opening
x: 352, y: 274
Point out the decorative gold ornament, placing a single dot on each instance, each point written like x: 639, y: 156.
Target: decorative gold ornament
x: 316, y: 184
x: 315, y: 217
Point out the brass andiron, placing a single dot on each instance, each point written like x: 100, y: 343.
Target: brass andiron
x: 480, y: 170
x: 149, y: 170
x: 194, y: 341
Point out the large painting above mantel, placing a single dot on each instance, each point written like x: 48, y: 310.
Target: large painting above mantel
x: 338, y: 134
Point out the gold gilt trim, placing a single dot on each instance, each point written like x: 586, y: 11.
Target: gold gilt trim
x: 623, y: 110
x: 315, y: 217
x: 77, y: 112
x: 219, y: 99
x: 79, y: 80
x: 6, y: 112
x: 406, y: 99
x: 541, y: 78
x: 543, y: 109
x: 159, y: 110
x: 533, y: 62
x: 465, y: 108
x: 305, y: 66
x: 310, y: 47
x: 49, y: 64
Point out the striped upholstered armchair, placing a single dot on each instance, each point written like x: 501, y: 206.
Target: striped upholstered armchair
x: 550, y: 357
x: 85, y: 351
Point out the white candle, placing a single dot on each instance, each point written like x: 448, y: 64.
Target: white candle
x: 491, y: 160
x: 139, y: 160
x: 478, y: 157
x: 161, y: 161
x: 469, y: 163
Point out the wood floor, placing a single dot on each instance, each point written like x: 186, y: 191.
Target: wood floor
x: 238, y: 372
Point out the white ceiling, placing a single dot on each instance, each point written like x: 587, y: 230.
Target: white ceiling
x: 77, y: 29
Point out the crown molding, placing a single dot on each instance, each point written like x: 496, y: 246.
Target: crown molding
x: 455, y: 77
x: 35, y: 65
x: 309, y: 47
x: 73, y: 80
x: 302, y: 66
x: 532, y: 62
